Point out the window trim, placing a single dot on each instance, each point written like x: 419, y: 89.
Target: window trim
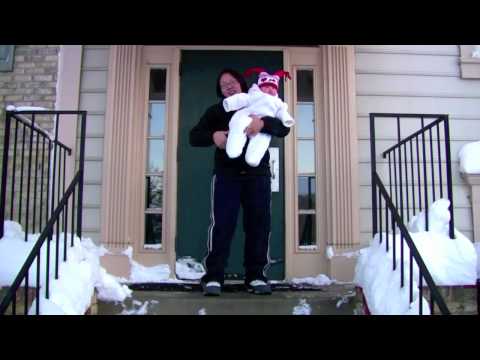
x: 6, y: 65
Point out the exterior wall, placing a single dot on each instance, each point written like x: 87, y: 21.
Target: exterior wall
x: 93, y: 94
x: 415, y: 79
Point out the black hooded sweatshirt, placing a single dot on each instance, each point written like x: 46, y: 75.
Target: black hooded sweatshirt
x: 217, y: 119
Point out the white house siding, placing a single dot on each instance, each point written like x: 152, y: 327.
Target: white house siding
x: 93, y: 95
x: 414, y: 79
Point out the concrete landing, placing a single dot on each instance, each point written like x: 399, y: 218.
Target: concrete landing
x: 330, y: 300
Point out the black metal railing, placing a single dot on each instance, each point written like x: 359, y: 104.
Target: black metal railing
x: 418, y: 169
x: 58, y: 209
x: 419, y: 166
x: 416, y: 265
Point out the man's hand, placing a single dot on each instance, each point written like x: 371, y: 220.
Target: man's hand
x: 220, y: 139
x: 255, y: 126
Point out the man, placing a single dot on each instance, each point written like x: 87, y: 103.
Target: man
x: 235, y: 183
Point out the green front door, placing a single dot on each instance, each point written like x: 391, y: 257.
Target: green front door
x: 199, y: 71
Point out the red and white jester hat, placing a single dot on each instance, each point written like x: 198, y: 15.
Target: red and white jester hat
x: 265, y: 78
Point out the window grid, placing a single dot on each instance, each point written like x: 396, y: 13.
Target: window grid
x: 307, y: 240
x: 155, y: 131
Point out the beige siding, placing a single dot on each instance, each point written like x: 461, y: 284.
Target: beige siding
x: 414, y: 79
x: 93, y: 91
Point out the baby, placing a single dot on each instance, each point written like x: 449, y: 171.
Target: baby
x: 262, y: 100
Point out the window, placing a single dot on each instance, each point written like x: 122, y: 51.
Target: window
x: 6, y: 57
x: 154, y: 173
x: 306, y: 172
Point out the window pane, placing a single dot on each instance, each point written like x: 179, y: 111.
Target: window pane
x: 306, y: 157
x: 306, y: 192
x: 305, y: 85
x: 306, y: 228
x: 153, y: 228
x: 154, y: 192
x: 155, y: 156
x: 156, y: 116
x: 305, y: 120
x: 158, y: 79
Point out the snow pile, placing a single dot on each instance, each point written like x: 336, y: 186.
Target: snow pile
x: 72, y: 292
x: 189, y: 269
x: 146, y: 274
x: 320, y: 280
x: 477, y: 248
x: 476, y: 52
x: 449, y: 261
x: 329, y: 252
x: 438, y: 218
x: 303, y: 308
x: 469, y: 157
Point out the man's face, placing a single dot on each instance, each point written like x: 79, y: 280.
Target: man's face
x: 229, y: 85
x: 269, y: 89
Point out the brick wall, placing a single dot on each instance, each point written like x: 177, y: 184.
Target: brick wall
x: 33, y: 80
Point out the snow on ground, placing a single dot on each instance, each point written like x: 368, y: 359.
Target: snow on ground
x: 72, y: 292
x: 303, y: 308
x: 469, y: 157
x: 139, y: 308
x: 345, y: 299
x: 449, y: 261
x: 202, y: 311
x: 319, y: 280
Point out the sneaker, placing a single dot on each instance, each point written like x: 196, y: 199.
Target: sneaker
x: 259, y: 287
x: 211, y: 288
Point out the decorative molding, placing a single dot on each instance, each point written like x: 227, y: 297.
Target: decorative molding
x: 119, y: 147
x: 338, y: 110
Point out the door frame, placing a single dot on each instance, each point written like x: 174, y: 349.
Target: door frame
x: 335, y: 78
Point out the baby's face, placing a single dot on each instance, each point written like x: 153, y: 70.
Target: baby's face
x: 269, y: 89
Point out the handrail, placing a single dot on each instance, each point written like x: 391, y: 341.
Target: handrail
x: 413, y: 136
x: 35, y: 252
x: 55, y: 208
x: 424, y: 273
x: 41, y: 131
x: 412, y: 183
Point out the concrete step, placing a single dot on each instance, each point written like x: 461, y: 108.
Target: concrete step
x: 329, y: 300
x: 460, y: 300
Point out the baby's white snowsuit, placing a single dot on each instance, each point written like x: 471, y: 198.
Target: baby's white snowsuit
x: 257, y: 103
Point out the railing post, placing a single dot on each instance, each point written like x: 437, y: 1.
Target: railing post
x: 81, y: 172
x: 374, y: 170
x: 449, y: 176
x: 3, y: 195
